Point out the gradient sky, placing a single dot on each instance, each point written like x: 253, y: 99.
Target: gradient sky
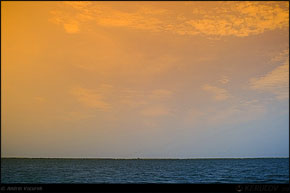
x: 145, y: 79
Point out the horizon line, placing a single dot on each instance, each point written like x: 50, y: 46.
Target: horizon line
x: 138, y: 158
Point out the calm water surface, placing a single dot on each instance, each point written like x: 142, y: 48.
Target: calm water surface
x: 274, y: 170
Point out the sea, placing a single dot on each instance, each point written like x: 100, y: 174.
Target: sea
x: 139, y: 171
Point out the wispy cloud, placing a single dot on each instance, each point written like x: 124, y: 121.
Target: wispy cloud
x: 72, y: 27
x: 276, y: 81
x: 160, y: 94
x: 132, y: 98
x: 91, y: 98
x: 240, y: 19
x: 225, y: 19
x: 152, y: 102
x: 224, y: 80
x: 239, y: 110
x: 282, y: 57
x: 219, y: 94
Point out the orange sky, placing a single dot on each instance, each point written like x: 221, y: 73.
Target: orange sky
x: 145, y: 79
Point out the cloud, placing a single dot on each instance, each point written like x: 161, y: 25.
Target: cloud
x: 241, y: 19
x: 132, y: 98
x: 91, y: 98
x: 80, y: 5
x: 105, y: 15
x: 160, y: 94
x: 275, y: 82
x: 106, y: 97
x: 224, y: 80
x: 72, y: 19
x: 156, y: 111
x: 135, y: 20
x: 282, y: 57
x: 136, y: 98
x: 238, y: 19
x: 239, y: 110
x: 152, y: 103
x: 219, y: 94
x: 71, y: 28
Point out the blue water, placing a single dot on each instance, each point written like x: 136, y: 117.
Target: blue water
x: 208, y: 171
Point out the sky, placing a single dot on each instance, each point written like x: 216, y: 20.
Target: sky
x: 145, y: 79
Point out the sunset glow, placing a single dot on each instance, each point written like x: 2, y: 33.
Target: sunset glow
x: 145, y: 79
